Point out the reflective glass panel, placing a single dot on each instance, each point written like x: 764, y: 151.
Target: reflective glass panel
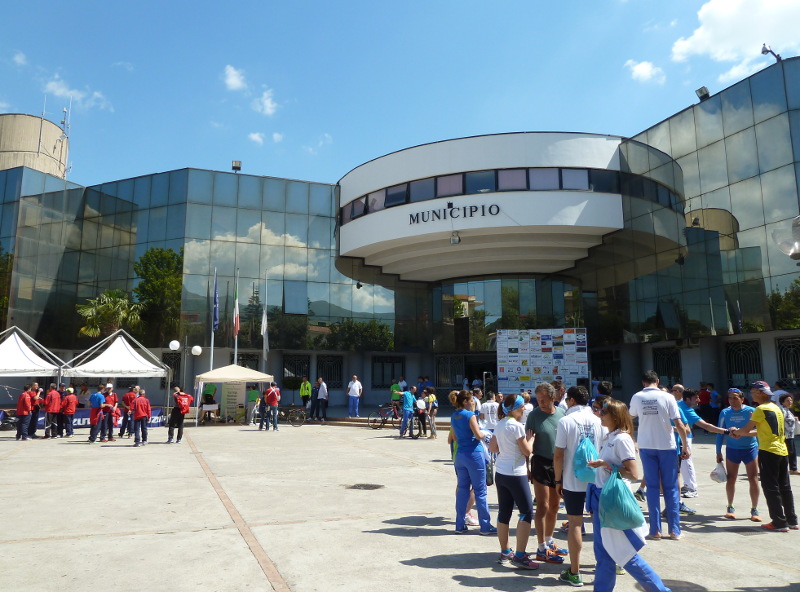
x: 158, y: 224
x: 296, y: 265
x: 577, y: 179
x: 200, y: 184
x: 779, y: 189
x: 176, y: 221
x: 358, y: 208
x: 247, y: 260
x: 320, y: 200
x: 319, y: 294
x: 274, y: 197
x: 223, y: 223
x: 449, y: 185
x: 274, y: 224
x: 249, y: 192
x: 658, y: 137
x: 195, y: 256
x: 396, y: 195
x: 480, y: 182
x: 295, y: 297
x: 746, y: 203
x: 296, y: 230
x: 604, y: 181
x: 319, y: 265
x: 297, y: 197
x: 422, y: 190
x: 320, y: 232
x: 742, y: 155
x: 159, y: 190
x: 769, y: 96
x: 178, y: 186
x: 375, y: 200
x: 248, y: 226
x: 543, y: 179
x: 737, y: 108
x: 512, y: 179
x: 141, y: 192
x: 774, y: 143
x: 713, y: 167
x: 198, y: 221
x: 792, y: 70
x: 708, y: 121
x: 682, y: 133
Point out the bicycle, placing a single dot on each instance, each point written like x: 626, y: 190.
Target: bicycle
x: 385, y: 413
x: 293, y: 415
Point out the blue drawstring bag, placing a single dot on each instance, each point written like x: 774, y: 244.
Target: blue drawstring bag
x: 584, y: 453
x: 618, y: 508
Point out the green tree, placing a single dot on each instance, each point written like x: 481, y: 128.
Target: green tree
x: 159, y: 291
x: 784, y: 307
x: 350, y: 335
x: 112, y: 310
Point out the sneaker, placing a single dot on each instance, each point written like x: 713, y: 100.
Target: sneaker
x: 774, y: 528
x: 754, y: 517
x: 136, y: 444
x: 620, y: 570
x: 104, y: 439
x: 794, y: 527
x: 471, y: 520
x: 731, y: 513
x: 491, y: 531
x: 639, y: 495
x: 112, y: 439
x: 505, y: 558
x: 524, y: 562
x: 795, y: 472
x: 690, y: 493
x: 547, y: 556
x: 571, y: 578
x: 557, y: 550
x: 177, y: 441
x: 565, y: 526
x: 686, y: 509
x: 170, y: 441
x: 462, y: 530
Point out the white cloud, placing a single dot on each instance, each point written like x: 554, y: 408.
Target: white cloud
x: 87, y: 99
x: 646, y: 72
x: 125, y: 65
x: 257, y: 137
x: 734, y: 31
x: 277, y: 137
x: 324, y: 140
x: 265, y: 103
x: 4, y: 107
x: 234, y: 79
x: 20, y: 59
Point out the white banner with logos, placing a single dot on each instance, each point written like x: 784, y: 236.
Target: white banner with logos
x: 526, y: 357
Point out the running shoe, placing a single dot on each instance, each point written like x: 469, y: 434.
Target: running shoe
x: 505, y: 558
x: 524, y: 562
x: 639, y: 495
x: 547, y: 556
x: 462, y: 530
x: 689, y: 493
x: 571, y: 578
x: 731, y: 513
x: 794, y: 527
x: 754, y: 517
x: 556, y: 549
x: 686, y: 509
x: 620, y: 571
x: 774, y: 528
x: 491, y: 531
x: 471, y: 520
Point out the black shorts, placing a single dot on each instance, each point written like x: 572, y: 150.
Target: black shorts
x: 574, y: 502
x: 543, y: 471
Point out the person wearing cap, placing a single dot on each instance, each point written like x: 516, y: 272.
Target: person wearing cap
x: 767, y: 424
x: 513, y: 447
x: 107, y: 426
x: 577, y: 425
x: 141, y: 415
x: 127, y: 411
x: 68, y: 406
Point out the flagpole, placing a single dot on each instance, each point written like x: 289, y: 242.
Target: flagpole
x: 265, y: 329
x: 214, y: 319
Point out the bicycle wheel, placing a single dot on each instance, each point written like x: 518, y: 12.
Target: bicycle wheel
x: 297, y: 417
x: 375, y: 420
x: 396, y: 421
x: 415, y: 427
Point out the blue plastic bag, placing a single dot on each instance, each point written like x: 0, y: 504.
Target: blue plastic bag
x: 583, y: 454
x: 618, y: 508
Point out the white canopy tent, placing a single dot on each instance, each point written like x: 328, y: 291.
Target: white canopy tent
x: 17, y: 358
x: 232, y: 373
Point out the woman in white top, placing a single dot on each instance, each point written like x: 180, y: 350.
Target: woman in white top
x: 612, y: 547
x: 513, y: 448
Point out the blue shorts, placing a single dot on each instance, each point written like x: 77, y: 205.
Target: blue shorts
x: 741, y: 455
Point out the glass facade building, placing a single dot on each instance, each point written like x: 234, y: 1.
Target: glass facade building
x: 699, y: 281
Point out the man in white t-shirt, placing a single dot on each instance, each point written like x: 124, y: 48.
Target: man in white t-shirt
x: 354, y: 391
x: 657, y: 410
x: 579, y: 423
x: 477, y: 394
x: 402, y: 384
x: 489, y: 410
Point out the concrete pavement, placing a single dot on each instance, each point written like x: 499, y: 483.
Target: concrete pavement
x: 232, y: 508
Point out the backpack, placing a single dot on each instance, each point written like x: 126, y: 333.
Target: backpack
x: 584, y: 453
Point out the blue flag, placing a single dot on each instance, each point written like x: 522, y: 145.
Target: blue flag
x: 215, y: 316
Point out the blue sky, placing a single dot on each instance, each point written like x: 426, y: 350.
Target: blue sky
x: 310, y: 90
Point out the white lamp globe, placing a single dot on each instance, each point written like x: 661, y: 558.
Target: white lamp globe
x: 174, y: 345
x: 197, y: 350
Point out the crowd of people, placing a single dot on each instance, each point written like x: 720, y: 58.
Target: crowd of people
x: 107, y: 412
x: 567, y: 445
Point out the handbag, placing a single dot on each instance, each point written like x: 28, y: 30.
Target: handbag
x: 719, y: 474
x: 618, y: 508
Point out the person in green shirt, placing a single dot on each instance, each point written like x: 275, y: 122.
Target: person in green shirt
x: 397, y: 393
x: 305, y: 391
x: 252, y: 398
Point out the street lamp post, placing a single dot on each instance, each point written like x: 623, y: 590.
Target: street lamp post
x: 196, y: 350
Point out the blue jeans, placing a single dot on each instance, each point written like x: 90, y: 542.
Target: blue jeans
x: 661, y: 469
x: 407, y: 415
x: 127, y: 422
x: 22, y: 426
x: 272, y: 415
x: 353, y: 406
x: 471, y: 471
x: 140, y: 429
x: 605, y: 572
x: 68, y: 417
x: 262, y: 413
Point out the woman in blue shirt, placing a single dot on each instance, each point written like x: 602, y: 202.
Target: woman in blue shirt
x: 739, y: 450
x: 470, y: 464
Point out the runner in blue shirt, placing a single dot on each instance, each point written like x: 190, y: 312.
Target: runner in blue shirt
x: 739, y: 450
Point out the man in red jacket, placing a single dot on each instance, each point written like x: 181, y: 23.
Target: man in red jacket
x: 127, y: 411
x: 52, y: 407
x: 23, y: 413
x: 107, y: 427
x: 183, y: 402
x: 141, y: 415
x: 36, y: 394
x: 68, y: 405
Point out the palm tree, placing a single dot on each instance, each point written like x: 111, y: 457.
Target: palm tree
x: 108, y: 312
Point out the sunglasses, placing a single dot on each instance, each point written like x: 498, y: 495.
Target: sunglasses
x: 603, y: 411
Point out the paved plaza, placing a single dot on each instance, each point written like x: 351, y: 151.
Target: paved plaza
x: 318, y: 507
